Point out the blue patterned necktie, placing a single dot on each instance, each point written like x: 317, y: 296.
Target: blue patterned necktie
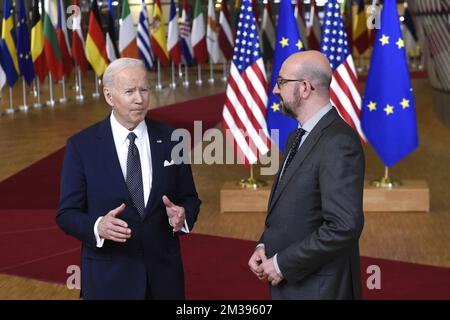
x: 134, y: 175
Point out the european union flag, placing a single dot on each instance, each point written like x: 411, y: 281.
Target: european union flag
x: 8, y: 45
x: 388, y: 114
x: 288, y: 42
x: 23, y: 45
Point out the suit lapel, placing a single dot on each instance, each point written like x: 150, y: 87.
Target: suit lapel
x: 107, y: 154
x: 307, y: 146
x: 157, y: 150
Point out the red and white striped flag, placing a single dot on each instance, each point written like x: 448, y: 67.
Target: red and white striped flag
x: 344, y: 91
x: 225, y: 34
x: 244, y: 112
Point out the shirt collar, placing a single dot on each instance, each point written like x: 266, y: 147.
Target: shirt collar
x: 311, y: 123
x: 120, y: 133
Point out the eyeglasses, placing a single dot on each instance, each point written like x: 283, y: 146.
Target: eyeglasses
x: 281, y: 82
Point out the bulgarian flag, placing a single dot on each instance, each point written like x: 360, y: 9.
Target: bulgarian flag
x: 198, y: 35
x: 52, y: 53
x: 158, y: 35
x: 127, y: 34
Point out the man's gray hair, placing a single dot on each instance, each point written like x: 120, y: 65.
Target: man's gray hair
x: 119, y: 65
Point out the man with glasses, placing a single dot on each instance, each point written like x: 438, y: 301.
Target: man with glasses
x: 309, y: 248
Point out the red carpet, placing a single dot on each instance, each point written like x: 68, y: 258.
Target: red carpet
x: 216, y: 267
x: 182, y: 115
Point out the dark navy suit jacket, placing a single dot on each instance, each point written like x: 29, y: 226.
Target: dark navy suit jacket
x: 92, y: 184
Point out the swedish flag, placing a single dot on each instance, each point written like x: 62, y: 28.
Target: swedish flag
x: 287, y: 43
x: 8, y: 45
x: 388, y: 114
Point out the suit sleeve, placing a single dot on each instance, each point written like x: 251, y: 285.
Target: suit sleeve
x: 341, y: 180
x: 72, y: 216
x: 187, y: 194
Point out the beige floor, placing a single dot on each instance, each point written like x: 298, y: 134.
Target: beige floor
x: 413, y: 237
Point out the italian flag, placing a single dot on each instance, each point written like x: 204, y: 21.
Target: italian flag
x: 127, y: 34
x: 198, y: 35
x: 52, y: 53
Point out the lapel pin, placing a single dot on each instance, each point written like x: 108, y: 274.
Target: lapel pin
x: 158, y: 141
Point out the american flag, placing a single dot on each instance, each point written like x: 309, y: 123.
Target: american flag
x: 344, y: 86
x: 244, y: 112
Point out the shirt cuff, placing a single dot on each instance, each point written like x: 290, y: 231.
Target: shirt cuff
x: 277, y: 268
x: 185, y: 228
x: 99, y: 240
x: 260, y: 245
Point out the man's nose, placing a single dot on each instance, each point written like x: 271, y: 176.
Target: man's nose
x: 276, y: 90
x: 138, y: 96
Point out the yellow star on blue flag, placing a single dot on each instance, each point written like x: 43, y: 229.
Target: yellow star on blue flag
x: 391, y: 129
x: 23, y: 45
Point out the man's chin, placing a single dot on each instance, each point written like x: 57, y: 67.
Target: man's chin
x: 288, y: 112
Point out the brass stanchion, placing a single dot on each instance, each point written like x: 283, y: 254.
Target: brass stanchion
x: 386, y: 181
x: 252, y: 183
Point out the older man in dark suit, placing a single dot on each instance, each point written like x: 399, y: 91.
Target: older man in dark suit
x: 125, y: 198
x: 309, y: 247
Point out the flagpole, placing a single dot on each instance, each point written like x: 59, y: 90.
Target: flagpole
x: 76, y: 86
x: 199, y: 81
x: 361, y: 64
x: 224, y: 78
x: 180, y: 71
x: 10, y: 110
x: 386, y: 181
x: 24, y: 107
x: 50, y: 102
x: 64, y: 98
x: 252, y: 183
x: 79, y: 97
x: 173, y: 84
x: 38, y: 104
x: 158, y: 84
x: 34, y: 88
x: 186, y: 79
x: 211, y: 77
x: 96, y: 94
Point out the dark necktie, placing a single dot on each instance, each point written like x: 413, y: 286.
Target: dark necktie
x: 292, y: 150
x: 134, y: 175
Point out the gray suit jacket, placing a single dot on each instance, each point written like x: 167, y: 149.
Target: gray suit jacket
x: 315, y: 215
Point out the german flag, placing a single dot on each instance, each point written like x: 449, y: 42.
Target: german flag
x: 95, y: 42
x: 37, y: 43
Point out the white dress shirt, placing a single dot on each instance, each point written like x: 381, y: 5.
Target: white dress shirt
x: 142, y: 142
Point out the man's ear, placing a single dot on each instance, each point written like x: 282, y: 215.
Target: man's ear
x: 307, y: 91
x: 108, y: 96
